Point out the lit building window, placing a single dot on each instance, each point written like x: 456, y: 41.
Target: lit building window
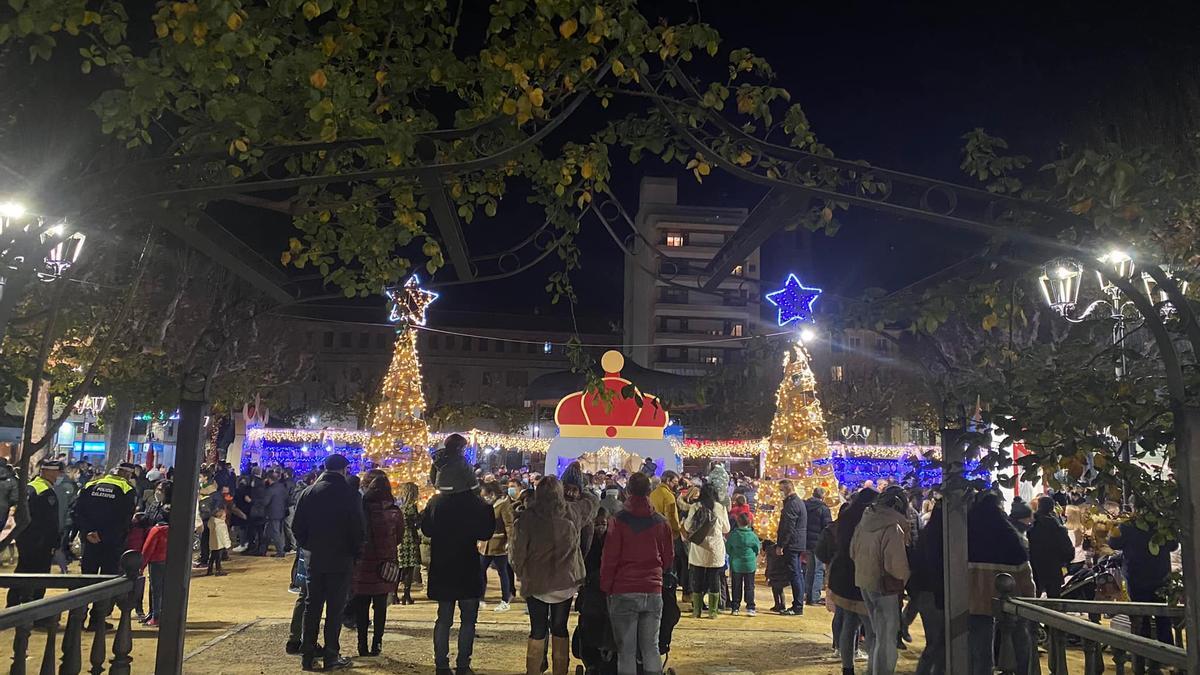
x: 737, y: 271
x: 836, y: 373
x: 736, y: 330
x: 674, y: 239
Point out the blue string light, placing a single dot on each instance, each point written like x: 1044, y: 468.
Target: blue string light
x: 795, y: 301
x: 852, y: 472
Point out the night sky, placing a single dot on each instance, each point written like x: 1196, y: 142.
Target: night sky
x: 895, y: 84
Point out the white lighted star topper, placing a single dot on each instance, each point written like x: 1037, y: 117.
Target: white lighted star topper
x: 409, y: 302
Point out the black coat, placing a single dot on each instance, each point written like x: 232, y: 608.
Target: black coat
x: 928, y: 566
x: 277, y: 500
x: 455, y: 524
x: 819, y: 518
x: 329, y: 524
x: 991, y: 538
x: 1050, y: 548
x: 1145, y: 572
x: 793, y: 525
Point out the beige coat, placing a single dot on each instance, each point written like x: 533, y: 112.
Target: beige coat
x: 879, y: 547
x: 218, y: 534
x: 711, y: 551
x: 498, y: 544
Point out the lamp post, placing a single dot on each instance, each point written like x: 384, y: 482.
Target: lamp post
x: 25, y: 238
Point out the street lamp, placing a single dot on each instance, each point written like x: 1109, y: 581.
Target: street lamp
x: 23, y: 236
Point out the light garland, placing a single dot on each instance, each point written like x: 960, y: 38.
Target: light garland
x: 885, y: 451
x: 309, y: 436
x: 305, y: 458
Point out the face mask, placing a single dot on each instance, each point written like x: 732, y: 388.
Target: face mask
x: 512, y: 492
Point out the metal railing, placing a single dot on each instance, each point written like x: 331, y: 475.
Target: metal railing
x: 98, y: 592
x: 1096, y: 642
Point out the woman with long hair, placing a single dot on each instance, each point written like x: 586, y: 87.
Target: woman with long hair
x: 844, y: 593
x: 705, y: 528
x: 377, y: 572
x: 410, y: 544
x: 547, y: 558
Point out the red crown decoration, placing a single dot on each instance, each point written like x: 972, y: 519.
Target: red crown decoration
x: 581, y: 415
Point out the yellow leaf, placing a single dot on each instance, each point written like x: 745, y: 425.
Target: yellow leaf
x: 285, y: 258
x: 395, y: 158
x: 325, y: 216
x: 593, y: 37
x: 1082, y: 207
x: 587, y: 64
x: 311, y: 10
x: 328, y: 45
x: 241, y: 144
x: 827, y: 214
x: 234, y: 21
x: 586, y: 170
x: 178, y: 36
x: 380, y: 77
x: 705, y: 168
x: 536, y: 97
x: 618, y: 67
x: 90, y: 17
x: 568, y: 28
x: 743, y: 158
x: 435, y: 74
x: 162, y: 30
x: 509, y: 107
x: 604, y: 102
x: 318, y: 79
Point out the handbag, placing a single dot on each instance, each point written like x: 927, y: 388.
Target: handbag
x: 389, y: 571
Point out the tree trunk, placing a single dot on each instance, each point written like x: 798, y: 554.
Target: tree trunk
x: 38, y: 406
x: 118, y: 432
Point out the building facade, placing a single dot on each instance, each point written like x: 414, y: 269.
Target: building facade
x: 663, y: 306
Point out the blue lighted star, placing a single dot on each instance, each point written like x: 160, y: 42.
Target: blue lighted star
x: 408, y: 302
x: 795, y: 301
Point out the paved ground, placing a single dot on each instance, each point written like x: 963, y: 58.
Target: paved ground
x: 238, y: 624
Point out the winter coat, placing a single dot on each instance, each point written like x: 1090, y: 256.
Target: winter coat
x: 259, y: 500
x: 719, y: 478
x: 1145, y: 572
x: 241, y: 499
x: 502, y: 509
x: 662, y: 499
x: 994, y: 547
x: 329, y: 524
x: 8, y: 492
x: 738, y: 509
x: 793, y: 525
x: 385, y: 530
x: 66, y: 490
x: 135, y: 539
x: 455, y: 523
x: 778, y: 573
x: 928, y: 567
x: 743, y: 547
x: 154, y: 550
x: 818, y: 518
x: 878, y: 548
x: 711, y: 551
x: 218, y: 534
x: 1050, y: 549
x: 545, y: 551
x: 639, y: 546
x: 582, y: 512
x: 277, y: 500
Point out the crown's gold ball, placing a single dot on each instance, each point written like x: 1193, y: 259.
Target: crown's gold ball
x: 612, y: 361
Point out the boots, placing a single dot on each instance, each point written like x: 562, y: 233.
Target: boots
x: 534, y: 650
x: 561, y: 655
x: 714, y: 600
x: 697, y: 605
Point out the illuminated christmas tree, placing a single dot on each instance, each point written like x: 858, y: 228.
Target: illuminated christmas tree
x: 399, y: 423
x: 797, y: 439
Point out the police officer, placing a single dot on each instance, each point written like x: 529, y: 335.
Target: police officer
x: 36, y: 543
x: 103, y: 511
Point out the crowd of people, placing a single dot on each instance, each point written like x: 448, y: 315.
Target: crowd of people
x: 628, y: 552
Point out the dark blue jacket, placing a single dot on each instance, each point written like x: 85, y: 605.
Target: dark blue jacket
x: 793, y: 525
x: 329, y: 524
x: 819, y: 518
x: 1145, y: 572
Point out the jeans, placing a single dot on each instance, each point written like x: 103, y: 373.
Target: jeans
x: 635, y: 618
x: 468, y: 612
x: 796, y: 569
x: 500, y: 562
x: 742, y: 584
x: 546, y: 618
x: 272, y: 534
x: 296, y: 630
x: 326, y: 591
x: 158, y: 572
x: 848, y: 636
x: 933, y: 659
x: 980, y: 641
x: 884, y: 610
x: 814, y: 578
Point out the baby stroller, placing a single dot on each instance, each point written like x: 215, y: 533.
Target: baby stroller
x: 593, y: 641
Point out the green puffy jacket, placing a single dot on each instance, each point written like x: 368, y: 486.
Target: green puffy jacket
x: 742, y: 548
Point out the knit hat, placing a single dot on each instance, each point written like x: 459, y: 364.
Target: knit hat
x: 455, y: 478
x: 336, y: 462
x: 1020, y: 510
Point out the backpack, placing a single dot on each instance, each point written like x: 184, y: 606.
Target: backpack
x: 702, y: 523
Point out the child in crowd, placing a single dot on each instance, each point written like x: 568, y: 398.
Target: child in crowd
x: 134, y: 541
x: 740, y: 506
x: 218, y: 539
x: 743, y: 547
x: 154, y: 556
x: 778, y: 575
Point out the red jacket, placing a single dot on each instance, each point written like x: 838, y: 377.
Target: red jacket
x: 637, y: 548
x: 155, y: 548
x: 735, y: 510
x: 385, y: 529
